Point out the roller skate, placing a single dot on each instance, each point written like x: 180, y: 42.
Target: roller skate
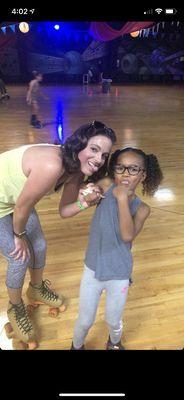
x: 39, y: 124
x: 5, y: 96
x: 111, y: 346
x: 20, y: 327
x: 42, y: 294
x: 33, y: 120
x: 35, y: 123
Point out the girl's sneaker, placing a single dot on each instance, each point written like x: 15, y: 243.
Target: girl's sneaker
x: 80, y: 348
x: 117, y: 346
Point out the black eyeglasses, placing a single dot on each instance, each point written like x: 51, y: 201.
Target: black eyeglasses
x: 132, y: 170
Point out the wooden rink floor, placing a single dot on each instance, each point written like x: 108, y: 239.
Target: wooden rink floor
x: 150, y: 117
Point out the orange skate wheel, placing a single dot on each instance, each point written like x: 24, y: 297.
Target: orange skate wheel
x: 32, y: 345
x: 19, y: 345
x: 22, y: 346
x: 62, y: 308
x: 53, y: 312
x: 9, y: 330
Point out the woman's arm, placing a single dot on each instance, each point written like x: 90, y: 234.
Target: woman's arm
x: 68, y: 206
x: 40, y: 181
x: 74, y: 198
x: 73, y: 192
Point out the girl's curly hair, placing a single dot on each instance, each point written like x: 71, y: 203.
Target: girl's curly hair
x: 154, y: 174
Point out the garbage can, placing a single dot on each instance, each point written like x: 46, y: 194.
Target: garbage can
x: 106, y: 85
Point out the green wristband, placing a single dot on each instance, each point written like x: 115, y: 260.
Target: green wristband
x: 80, y: 205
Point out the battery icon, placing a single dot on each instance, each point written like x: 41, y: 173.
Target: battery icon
x: 170, y: 11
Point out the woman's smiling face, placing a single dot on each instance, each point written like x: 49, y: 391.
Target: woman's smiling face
x: 95, y: 153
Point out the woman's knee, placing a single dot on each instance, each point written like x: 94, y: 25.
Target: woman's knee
x: 40, y: 246
x: 39, y: 249
x: 16, y: 274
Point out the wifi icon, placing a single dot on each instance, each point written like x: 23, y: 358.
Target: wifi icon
x: 158, y: 10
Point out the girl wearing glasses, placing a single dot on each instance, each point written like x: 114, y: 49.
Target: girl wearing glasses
x: 27, y: 174
x: 118, y: 219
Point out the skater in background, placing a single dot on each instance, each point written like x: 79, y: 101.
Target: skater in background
x: 3, y: 91
x: 100, y: 69
x: 33, y: 95
x: 117, y: 221
x: 37, y: 170
x: 90, y: 75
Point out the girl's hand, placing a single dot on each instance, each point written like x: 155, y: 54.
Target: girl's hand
x: 21, y: 250
x: 122, y: 191
x: 91, y: 194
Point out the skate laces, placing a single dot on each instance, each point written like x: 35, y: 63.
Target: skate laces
x: 22, y: 318
x: 46, y: 292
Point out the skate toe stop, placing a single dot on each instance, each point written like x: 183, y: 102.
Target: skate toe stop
x: 53, y: 312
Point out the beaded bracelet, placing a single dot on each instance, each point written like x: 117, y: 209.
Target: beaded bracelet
x: 80, y: 205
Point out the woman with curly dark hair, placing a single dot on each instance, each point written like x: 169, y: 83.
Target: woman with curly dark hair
x: 27, y: 174
x: 118, y: 219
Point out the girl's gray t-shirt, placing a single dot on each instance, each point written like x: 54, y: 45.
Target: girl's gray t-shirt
x: 107, y: 254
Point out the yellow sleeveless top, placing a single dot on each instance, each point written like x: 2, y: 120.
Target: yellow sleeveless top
x: 12, y: 178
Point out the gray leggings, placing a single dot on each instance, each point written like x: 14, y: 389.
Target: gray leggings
x: 16, y: 268
x: 90, y: 292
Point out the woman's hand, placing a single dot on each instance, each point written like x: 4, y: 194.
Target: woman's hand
x: 90, y: 194
x: 21, y: 250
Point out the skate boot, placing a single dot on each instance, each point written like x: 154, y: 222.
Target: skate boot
x: 20, y: 327
x: 39, y: 123
x: 80, y: 348
x: 6, y: 96
x: 42, y: 294
x: 35, y: 123
x: 111, y: 346
x: 33, y: 120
